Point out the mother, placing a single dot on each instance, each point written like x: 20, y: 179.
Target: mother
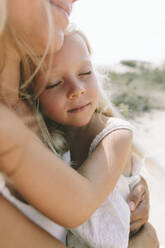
x: 35, y: 28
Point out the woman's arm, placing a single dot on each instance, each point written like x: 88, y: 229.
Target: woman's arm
x: 17, y: 231
x: 52, y: 186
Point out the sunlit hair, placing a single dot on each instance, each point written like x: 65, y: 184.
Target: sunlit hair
x: 53, y: 133
x: 30, y: 62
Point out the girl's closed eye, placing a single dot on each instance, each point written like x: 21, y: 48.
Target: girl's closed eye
x: 53, y: 85
x: 85, y: 73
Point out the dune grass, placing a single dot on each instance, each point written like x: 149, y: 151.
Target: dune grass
x: 140, y: 88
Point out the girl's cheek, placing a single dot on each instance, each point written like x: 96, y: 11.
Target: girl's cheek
x: 44, y: 99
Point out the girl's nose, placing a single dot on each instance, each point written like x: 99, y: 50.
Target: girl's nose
x: 76, y: 90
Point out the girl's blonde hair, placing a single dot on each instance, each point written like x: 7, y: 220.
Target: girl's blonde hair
x: 54, y: 133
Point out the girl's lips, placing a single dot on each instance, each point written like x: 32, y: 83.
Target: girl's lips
x: 79, y: 108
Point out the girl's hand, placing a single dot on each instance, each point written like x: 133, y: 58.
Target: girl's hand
x: 147, y: 237
x: 138, y: 201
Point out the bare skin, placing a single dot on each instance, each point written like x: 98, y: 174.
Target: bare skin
x: 26, y: 114
x: 13, y: 222
x: 136, y: 219
x: 17, y: 231
x: 16, y: 225
x: 12, y: 213
x: 145, y: 238
x: 133, y: 240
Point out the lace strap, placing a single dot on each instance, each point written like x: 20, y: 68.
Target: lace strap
x: 112, y: 125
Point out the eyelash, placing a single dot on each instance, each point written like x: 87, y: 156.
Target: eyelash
x: 58, y: 83
x: 85, y: 73
x: 53, y: 85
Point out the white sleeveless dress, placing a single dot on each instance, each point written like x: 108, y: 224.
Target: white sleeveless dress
x: 109, y: 226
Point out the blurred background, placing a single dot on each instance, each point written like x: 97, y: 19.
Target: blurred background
x: 123, y: 29
x: 128, y: 43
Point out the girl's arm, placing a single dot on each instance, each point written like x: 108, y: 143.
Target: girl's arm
x: 52, y: 186
x: 146, y: 237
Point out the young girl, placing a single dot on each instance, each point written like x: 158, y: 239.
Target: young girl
x: 32, y: 29
x: 71, y: 102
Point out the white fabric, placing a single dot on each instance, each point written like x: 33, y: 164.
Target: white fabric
x: 45, y: 223
x: 113, y: 124
x: 109, y: 226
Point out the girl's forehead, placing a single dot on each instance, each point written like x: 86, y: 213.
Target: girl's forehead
x: 74, y: 47
x: 72, y: 43
x: 74, y: 51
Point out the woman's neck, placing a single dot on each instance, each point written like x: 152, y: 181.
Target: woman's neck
x: 10, y: 76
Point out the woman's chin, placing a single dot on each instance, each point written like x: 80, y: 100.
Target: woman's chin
x: 58, y: 41
x: 51, y: 47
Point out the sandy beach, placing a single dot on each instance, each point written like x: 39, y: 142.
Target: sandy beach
x: 150, y: 130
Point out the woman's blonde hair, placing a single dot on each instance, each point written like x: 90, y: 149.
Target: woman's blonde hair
x: 30, y: 62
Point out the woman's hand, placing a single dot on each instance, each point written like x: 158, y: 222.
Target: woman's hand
x: 138, y: 201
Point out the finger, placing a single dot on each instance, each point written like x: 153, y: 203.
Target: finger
x: 136, y: 196
x: 135, y: 226
x: 141, y: 212
x: 137, y: 218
